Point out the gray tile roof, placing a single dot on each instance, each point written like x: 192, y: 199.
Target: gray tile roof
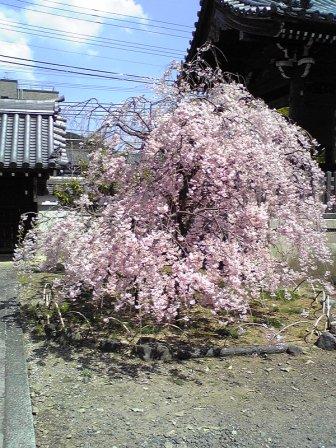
x: 227, y: 14
x: 311, y: 10
x: 77, y: 156
x: 32, y: 133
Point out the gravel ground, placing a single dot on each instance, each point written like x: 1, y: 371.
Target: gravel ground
x: 87, y: 399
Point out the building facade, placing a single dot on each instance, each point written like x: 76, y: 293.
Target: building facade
x: 284, y: 52
x: 32, y: 147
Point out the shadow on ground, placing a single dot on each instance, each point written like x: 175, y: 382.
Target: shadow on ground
x: 89, y: 359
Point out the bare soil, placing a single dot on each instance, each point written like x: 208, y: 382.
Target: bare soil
x: 89, y: 399
x: 85, y: 398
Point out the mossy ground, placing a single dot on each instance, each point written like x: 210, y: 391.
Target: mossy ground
x: 271, y: 318
x: 84, y: 397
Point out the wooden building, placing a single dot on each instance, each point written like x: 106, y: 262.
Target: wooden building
x: 32, y: 146
x: 285, y: 53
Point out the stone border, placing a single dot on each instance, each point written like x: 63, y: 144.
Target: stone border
x: 159, y: 351
x: 150, y: 349
x: 2, y: 379
x: 18, y: 423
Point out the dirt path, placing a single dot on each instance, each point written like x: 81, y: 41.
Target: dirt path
x: 82, y: 399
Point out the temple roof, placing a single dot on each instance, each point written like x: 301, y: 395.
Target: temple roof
x: 32, y: 133
x: 293, y: 19
x: 316, y: 10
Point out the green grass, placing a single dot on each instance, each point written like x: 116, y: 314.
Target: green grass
x: 268, y: 314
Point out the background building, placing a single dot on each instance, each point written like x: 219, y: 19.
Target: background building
x: 32, y: 147
x: 284, y: 52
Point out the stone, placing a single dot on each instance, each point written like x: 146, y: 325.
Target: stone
x: 332, y: 328
x: 153, y: 351
x: 327, y: 341
x: 293, y: 350
x: 59, y: 268
x: 147, y: 340
x: 163, y: 353
x: 137, y: 410
x: 110, y: 346
x: 142, y: 351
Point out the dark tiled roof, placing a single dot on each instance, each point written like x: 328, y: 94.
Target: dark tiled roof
x: 316, y: 13
x: 32, y: 133
x: 312, y: 10
x: 77, y: 156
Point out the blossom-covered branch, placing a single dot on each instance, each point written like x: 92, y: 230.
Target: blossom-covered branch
x: 205, y: 196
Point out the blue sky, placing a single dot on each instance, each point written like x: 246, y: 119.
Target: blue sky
x: 93, y: 38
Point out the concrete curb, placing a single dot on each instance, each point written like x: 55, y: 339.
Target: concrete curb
x: 18, y: 423
x: 2, y: 380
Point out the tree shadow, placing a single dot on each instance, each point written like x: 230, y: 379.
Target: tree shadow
x: 10, y: 311
x: 90, y: 358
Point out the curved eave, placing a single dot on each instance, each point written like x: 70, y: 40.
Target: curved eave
x: 26, y: 166
x: 276, y: 11
x: 202, y: 27
x: 31, y: 141
x: 242, y: 11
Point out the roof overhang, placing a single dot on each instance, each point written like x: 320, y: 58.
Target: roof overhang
x: 280, y: 19
x: 32, y: 134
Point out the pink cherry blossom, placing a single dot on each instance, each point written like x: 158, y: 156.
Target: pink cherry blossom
x: 221, y: 202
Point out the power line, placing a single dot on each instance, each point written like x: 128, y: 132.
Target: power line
x: 71, y: 71
x: 79, y: 86
x: 75, y: 37
x: 107, y: 16
x: 86, y: 43
x: 118, y: 14
x: 90, y: 55
x: 79, y: 68
x: 81, y: 102
x: 94, y: 21
x: 53, y: 85
x: 41, y: 70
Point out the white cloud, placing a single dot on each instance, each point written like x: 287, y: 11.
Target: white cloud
x: 69, y: 25
x: 14, y: 44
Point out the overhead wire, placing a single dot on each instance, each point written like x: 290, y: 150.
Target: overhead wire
x: 85, y: 38
x: 83, y: 70
x: 91, y: 55
x: 114, y: 14
x: 100, y: 103
x: 78, y: 67
x: 74, y: 72
x: 94, y: 21
x: 42, y: 71
x: 106, y: 15
x: 28, y: 83
x: 90, y: 44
